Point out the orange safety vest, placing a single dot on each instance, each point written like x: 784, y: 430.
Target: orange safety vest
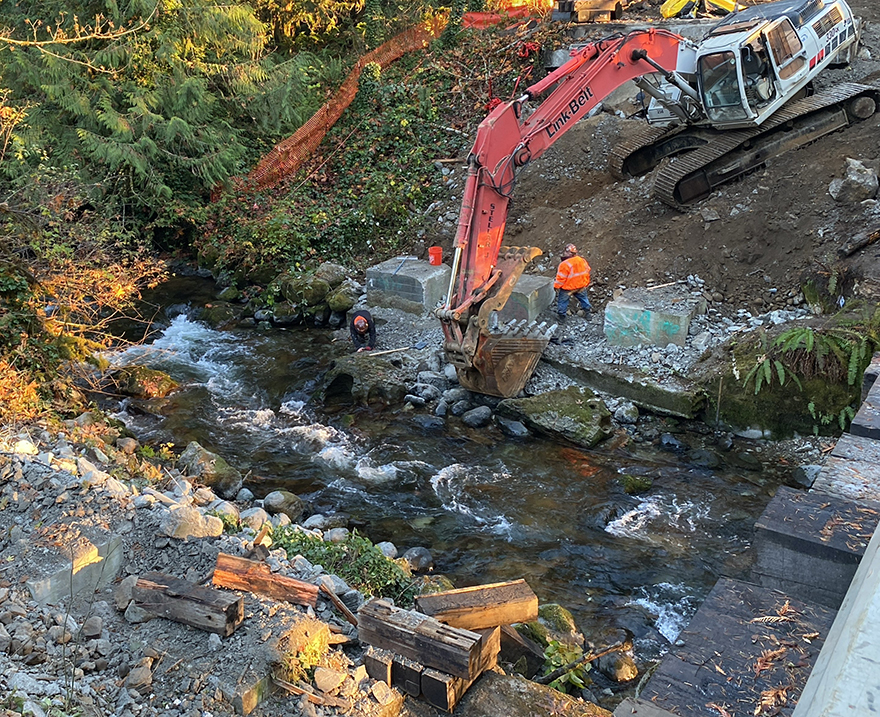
x: 573, y: 274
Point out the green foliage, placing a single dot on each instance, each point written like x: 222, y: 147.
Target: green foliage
x: 558, y: 654
x: 453, y: 27
x: 356, y: 560
x: 842, y: 418
x: 230, y: 523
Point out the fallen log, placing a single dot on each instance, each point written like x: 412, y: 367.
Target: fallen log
x: 859, y: 241
x: 252, y: 576
x: 188, y: 603
x: 482, y: 606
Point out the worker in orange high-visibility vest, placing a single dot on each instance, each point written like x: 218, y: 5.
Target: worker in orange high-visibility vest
x: 572, y: 279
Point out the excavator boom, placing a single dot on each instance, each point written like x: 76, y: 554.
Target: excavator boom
x: 490, y: 359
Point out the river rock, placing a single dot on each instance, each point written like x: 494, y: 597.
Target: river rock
x: 220, y: 313
x: 804, y: 476
x: 185, y: 522
x: 254, y: 518
x: 627, y: 414
x: 142, y: 382
x: 283, y: 501
x: 389, y: 550
x: 554, y: 623
x: 668, y: 442
x: 364, y: 380
x: 618, y: 666
x: 477, y: 417
x: 210, y: 469
x: 575, y: 414
x: 418, y: 559
x: 512, y: 429
x: 286, y: 314
x: 427, y: 391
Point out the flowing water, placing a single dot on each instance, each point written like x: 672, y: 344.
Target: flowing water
x: 488, y: 507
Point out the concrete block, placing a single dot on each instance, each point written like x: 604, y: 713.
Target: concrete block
x: 656, y: 318
x: 869, y: 378
x: 90, y: 567
x: 810, y: 544
x: 408, y: 284
x: 530, y: 296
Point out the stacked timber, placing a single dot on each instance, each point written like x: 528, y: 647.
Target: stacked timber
x: 439, y: 650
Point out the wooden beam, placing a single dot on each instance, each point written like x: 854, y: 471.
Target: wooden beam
x: 186, y: 602
x: 406, y: 675
x: 341, y: 606
x: 444, y: 691
x: 243, y: 574
x: 482, y: 606
x: 420, y: 638
x: 378, y: 663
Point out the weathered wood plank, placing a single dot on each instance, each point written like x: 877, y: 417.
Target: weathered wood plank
x: 444, y: 691
x: 482, y: 606
x: 420, y: 638
x: 243, y: 574
x: 406, y: 675
x: 744, y: 642
x: 378, y: 663
x: 188, y: 603
x: 849, y: 479
x: 857, y: 448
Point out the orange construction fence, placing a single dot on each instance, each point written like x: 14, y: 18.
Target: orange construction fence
x: 286, y: 157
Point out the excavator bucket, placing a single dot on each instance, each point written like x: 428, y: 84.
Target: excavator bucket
x: 492, y: 359
x: 505, y: 360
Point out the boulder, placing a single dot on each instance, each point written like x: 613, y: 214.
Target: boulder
x: 343, y: 297
x: 286, y: 314
x: 333, y: 274
x: 185, y: 522
x: 575, y: 414
x: 143, y: 382
x: 283, y: 501
x: 361, y: 379
x: 303, y: 289
x: 220, y: 313
x: 210, y: 469
x: 859, y: 183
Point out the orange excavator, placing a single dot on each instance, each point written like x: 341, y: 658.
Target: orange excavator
x: 721, y: 107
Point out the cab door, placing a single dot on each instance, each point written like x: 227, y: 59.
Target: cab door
x: 788, y: 56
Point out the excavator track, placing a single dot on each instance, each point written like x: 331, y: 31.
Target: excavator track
x: 691, y: 177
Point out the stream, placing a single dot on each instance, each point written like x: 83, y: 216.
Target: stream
x: 490, y: 508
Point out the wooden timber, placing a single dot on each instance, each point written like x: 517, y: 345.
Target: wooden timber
x: 243, y: 574
x: 406, y: 675
x: 420, y: 638
x: 482, y: 606
x: 188, y: 603
x: 444, y: 691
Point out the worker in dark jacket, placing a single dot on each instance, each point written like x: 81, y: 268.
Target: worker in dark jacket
x: 363, y: 330
x: 572, y: 279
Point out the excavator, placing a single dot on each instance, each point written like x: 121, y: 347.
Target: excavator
x: 719, y: 108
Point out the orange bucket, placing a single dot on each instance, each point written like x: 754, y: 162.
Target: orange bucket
x: 435, y: 255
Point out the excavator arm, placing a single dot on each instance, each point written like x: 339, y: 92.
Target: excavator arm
x: 499, y: 360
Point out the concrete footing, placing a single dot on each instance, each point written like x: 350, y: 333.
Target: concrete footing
x: 408, y: 284
x: 657, y: 318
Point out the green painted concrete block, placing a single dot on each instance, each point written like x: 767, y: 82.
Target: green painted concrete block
x: 637, y: 317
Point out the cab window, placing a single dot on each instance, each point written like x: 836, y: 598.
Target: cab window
x: 720, y: 85
x: 785, y: 45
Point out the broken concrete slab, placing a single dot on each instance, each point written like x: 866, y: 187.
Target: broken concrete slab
x: 84, y: 567
x: 674, y: 397
x: 655, y: 317
x: 408, y: 284
x: 530, y: 296
x: 810, y: 544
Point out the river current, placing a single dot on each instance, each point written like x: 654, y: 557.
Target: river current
x: 490, y: 508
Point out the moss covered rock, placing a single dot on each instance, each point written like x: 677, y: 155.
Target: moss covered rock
x: 635, y: 484
x: 361, y: 379
x: 143, y: 382
x: 554, y: 623
x: 575, y: 414
x: 220, y: 314
x: 333, y: 274
x: 210, y: 469
x: 343, y: 297
x: 303, y: 289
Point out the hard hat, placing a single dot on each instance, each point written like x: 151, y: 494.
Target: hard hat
x: 361, y: 324
x: 570, y: 249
